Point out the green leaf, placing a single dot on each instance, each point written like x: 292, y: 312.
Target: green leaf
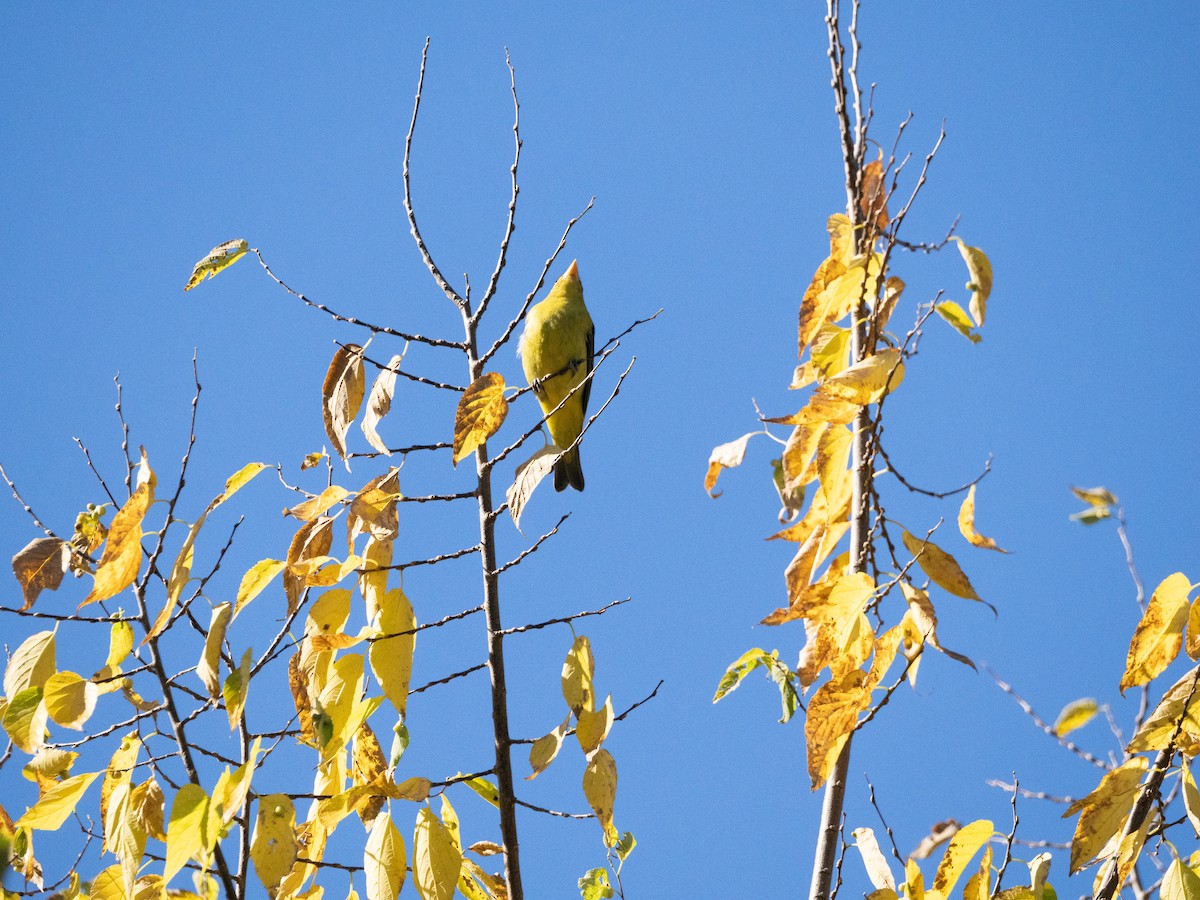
x: 594, y: 885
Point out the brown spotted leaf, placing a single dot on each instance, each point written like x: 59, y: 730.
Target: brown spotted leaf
x: 480, y: 413
x: 1159, y: 634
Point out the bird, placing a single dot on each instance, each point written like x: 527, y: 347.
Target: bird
x: 556, y: 350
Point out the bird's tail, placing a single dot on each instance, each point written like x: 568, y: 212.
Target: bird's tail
x: 568, y: 472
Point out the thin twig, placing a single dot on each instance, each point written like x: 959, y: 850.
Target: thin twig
x: 351, y: 320
x: 511, y: 224
x: 1048, y: 729
x: 438, y: 277
x: 591, y: 612
x: 520, y: 316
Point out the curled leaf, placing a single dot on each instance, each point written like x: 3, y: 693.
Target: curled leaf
x: 979, y: 270
x: 342, y: 394
x: 966, y: 525
x: 725, y: 456
x: 379, y: 403
x: 220, y: 257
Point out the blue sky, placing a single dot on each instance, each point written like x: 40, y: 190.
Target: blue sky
x: 134, y: 142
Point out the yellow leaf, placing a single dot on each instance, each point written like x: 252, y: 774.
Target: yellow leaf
x: 229, y: 796
x: 527, y: 477
x: 237, y: 685
x: 868, y: 380
x: 210, y: 659
x: 1182, y: 701
x: 379, y: 402
x: 941, y: 567
x: 1192, y: 644
x: 273, y: 848
x: 814, y: 307
x: 146, y: 804
x: 480, y: 413
x: 577, y: 672
x: 188, y: 834
x: 414, y: 789
x: 593, y: 727
x: 892, y: 289
x: 392, y: 657
x: 373, y: 510
x: 1159, y: 634
x: 873, y: 197
x: 46, y: 768
x: 600, y: 789
x: 966, y: 841
x: 218, y: 258
x: 109, y: 885
x: 966, y: 524
x: 545, y: 748
x: 914, y: 881
x: 1104, y: 811
x: 312, y: 459
x: 384, y: 860
x: 1180, y: 882
x: 979, y: 270
x: 123, y: 836
x: 1096, y: 496
x: 120, y: 644
x: 876, y: 865
x: 832, y: 716
x: 120, y: 770
x: 342, y: 394
x: 311, y: 541
x: 40, y: 566
x: 370, y: 768
x: 484, y: 788
x: 25, y: 718
x: 255, y: 580
x: 979, y: 885
x: 958, y: 319
x: 70, y: 700
x: 1075, y: 715
x: 57, y: 803
x: 1191, y: 796
x: 372, y: 580
x: 118, y: 566
x: 310, y: 509
x: 436, y: 859
x: 830, y: 349
x: 31, y: 665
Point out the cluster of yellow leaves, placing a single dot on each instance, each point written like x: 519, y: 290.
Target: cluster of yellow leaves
x: 962, y: 843
x: 592, y: 724
x: 832, y: 601
x: 1106, y: 830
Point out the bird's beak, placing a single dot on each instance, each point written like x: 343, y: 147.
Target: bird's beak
x: 573, y: 271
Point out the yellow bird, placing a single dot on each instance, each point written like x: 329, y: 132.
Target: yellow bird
x: 556, y: 352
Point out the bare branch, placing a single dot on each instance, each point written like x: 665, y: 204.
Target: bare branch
x: 579, y: 615
x: 438, y: 277
x: 511, y: 225
x: 351, y: 320
x: 533, y: 547
x: 1048, y: 729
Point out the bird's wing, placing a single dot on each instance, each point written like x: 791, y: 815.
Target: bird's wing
x: 591, y: 347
